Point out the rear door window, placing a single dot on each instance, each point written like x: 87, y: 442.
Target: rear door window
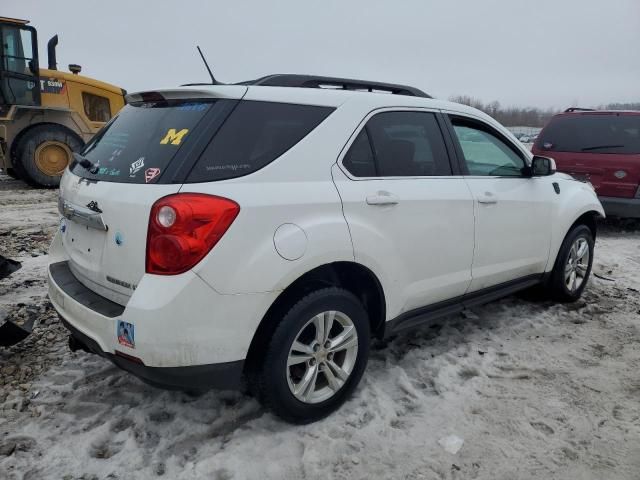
x: 138, y: 145
x: 359, y: 159
x: 254, y: 135
x: 399, y: 144
x: 592, y: 133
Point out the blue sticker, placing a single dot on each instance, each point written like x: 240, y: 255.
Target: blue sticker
x: 119, y: 239
x: 63, y: 225
x: 126, y: 334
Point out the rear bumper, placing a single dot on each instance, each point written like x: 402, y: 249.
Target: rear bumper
x: 223, y: 376
x: 184, y: 334
x: 621, y: 207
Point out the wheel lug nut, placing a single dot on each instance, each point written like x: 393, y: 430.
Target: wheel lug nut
x: 312, y: 362
x: 316, y: 347
x: 327, y: 344
x: 330, y: 356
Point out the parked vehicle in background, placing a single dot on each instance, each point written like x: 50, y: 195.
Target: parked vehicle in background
x: 269, y: 230
x: 602, y: 147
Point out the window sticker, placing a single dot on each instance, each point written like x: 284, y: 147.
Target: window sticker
x: 126, y: 334
x: 174, y: 137
x: 193, y: 107
x: 136, y: 167
x: 150, y: 174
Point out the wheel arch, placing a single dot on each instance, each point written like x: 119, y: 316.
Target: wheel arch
x: 588, y: 218
x: 351, y: 276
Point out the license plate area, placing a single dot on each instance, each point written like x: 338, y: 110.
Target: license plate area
x: 84, y: 245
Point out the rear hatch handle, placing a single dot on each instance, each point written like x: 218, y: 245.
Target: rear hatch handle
x: 82, y: 215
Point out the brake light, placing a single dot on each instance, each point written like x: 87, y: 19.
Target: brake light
x: 183, y: 228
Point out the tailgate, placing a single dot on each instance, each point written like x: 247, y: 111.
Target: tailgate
x: 611, y: 175
x: 104, y: 232
x: 140, y: 156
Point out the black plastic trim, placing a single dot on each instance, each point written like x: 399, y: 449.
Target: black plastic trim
x: 69, y: 284
x: 449, y: 144
x: 315, y: 81
x: 180, y: 167
x: 621, y: 207
x: 429, y: 313
x: 223, y: 376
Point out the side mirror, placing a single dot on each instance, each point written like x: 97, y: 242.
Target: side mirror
x: 542, y: 166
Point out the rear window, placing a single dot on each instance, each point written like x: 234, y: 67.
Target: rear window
x: 254, y: 135
x: 596, y: 133
x: 141, y: 141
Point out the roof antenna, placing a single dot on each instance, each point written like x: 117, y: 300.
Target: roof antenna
x: 213, y: 79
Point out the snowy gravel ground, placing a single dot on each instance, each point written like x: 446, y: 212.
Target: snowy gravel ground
x: 518, y: 389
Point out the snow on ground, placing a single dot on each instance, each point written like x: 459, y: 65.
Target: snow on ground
x: 520, y: 388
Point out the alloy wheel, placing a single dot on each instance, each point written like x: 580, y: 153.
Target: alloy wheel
x: 322, y: 357
x: 575, y: 270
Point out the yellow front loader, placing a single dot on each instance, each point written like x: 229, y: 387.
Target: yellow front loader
x: 45, y: 114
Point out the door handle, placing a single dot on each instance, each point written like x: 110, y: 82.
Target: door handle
x: 488, y: 198
x: 382, y: 198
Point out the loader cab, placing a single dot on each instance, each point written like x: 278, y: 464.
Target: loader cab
x: 19, y: 79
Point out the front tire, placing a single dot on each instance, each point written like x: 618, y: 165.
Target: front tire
x: 573, y: 265
x: 43, y: 153
x: 316, y: 356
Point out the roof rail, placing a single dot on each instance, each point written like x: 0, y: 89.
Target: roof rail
x: 578, y: 109
x: 313, y: 81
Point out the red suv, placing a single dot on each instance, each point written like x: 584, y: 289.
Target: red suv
x: 600, y: 146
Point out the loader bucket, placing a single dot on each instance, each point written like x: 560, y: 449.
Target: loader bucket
x: 11, y: 333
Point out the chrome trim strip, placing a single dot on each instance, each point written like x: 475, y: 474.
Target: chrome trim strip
x: 81, y: 215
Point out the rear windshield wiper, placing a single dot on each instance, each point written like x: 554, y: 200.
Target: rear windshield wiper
x: 86, y: 163
x: 597, y: 147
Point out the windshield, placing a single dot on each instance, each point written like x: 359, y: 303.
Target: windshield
x: 592, y: 133
x: 138, y: 145
x: 18, y: 81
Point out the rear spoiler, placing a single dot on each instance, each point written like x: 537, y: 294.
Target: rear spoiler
x: 233, y: 92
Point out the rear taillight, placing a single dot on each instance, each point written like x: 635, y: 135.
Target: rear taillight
x: 183, y: 228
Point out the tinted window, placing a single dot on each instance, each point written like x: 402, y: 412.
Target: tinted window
x: 96, y: 108
x: 359, y: 159
x: 141, y: 141
x: 254, y: 135
x: 405, y: 144
x: 17, y: 49
x: 485, y: 153
x: 596, y: 133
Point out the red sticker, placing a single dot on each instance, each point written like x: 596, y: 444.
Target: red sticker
x: 150, y: 174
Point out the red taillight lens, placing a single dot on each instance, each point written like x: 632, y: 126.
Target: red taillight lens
x: 183, y: 228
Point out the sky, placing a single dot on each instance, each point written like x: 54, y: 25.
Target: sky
x: 544, y: 53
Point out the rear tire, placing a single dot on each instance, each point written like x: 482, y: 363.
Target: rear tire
x: 573, y: 265
x: 43, y: 153
x: 331, y: 364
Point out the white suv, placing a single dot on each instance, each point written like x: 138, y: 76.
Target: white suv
x: 262, y: 233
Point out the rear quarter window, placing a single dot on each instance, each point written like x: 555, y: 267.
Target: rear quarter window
x: 254, y: 135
